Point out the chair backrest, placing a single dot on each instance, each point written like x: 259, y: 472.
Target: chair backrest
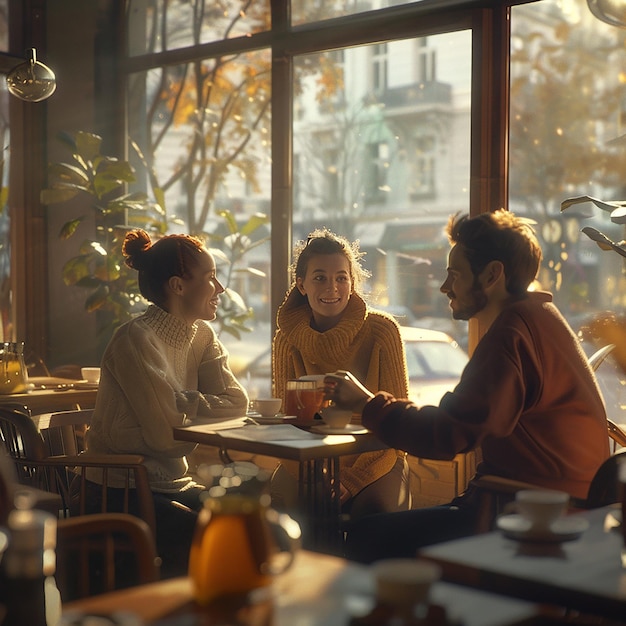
x: 91, y: 484
x: 117, y: 482
x: 19, y: 435
x: 64, y: 431
x: 599, y: 355
x: 617, y: 434
x: 103, y: 552
x: 605, y: 487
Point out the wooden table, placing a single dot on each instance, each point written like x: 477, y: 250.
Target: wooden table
x: 318, y: 457
x: 318, y: 590
x: 43, y: 400
x: 585, y: 574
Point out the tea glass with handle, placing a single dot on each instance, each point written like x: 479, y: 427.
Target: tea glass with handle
x: 235, y: 546
x: 304, y: 398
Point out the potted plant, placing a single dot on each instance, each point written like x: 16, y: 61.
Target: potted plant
x: 111, y: 287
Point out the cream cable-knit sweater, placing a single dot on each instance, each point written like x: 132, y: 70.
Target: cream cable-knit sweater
x: 365, y: 342
x: 158, y: 372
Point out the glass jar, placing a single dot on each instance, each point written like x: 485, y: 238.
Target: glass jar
x: 13, y: 373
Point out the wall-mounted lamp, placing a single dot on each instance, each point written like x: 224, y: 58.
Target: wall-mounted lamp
x: 31, y: 81
x: 612, y: 12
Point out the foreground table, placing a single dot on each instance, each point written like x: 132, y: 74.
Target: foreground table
x: 318, y: 457
x: 585, y: 574
x: 318, y: 590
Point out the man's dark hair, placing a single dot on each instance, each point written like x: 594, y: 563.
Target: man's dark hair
x: 498, y: 236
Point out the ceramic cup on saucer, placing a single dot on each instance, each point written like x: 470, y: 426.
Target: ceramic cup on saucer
x: 268, y: 407
x: 404, y: 583
x: 335, y: 418
x: 90, y: 374
x: 541, y: 507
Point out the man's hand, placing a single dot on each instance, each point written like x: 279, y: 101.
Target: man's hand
x: 345, y: 391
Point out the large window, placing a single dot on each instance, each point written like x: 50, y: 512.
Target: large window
x: 378, y: 128
x: 379, y: 147
x: 386, y: 159
x: 566, y: 140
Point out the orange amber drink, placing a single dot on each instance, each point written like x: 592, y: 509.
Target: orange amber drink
x: 231, y: 548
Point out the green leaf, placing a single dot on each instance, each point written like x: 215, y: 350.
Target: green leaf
x: 219, y: 255
x: 120, y: 170
x: 96, y: 246
x: 75, y: 269
x: 230, y: 220
x: 66, y: 173
x: 257, y: 243
x: 256, y: 221
x: 236, y: 299
x: 89, y: 282
x: 88, y: 145
x: 103, y: 185
x: 56, y: 196
x: 159, y: 196
x: 69, y: 228
x: 97, y: 299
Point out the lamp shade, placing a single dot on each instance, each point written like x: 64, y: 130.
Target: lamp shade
x: 612, y: 12
x: 31, y: 81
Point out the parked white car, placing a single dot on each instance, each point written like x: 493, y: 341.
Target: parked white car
x: 435, y: 362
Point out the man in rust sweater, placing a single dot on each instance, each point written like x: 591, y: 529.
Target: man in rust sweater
x: 527, y: 397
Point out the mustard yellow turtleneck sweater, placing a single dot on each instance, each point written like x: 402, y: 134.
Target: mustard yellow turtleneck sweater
x: 365, y: 342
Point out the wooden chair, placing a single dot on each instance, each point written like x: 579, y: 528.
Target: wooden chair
x: 103, y: 552
x: 616, y: 433
x: 600, y: 355
x: 496, y: 492
x: 64, y: 431
x: 77, y: 478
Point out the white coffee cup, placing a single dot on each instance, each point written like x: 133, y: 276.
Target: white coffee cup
x: 336, y: 418
x: 404, y: 582
x: 268, y: 407
x: 90, y: 374
x: 541, y: 507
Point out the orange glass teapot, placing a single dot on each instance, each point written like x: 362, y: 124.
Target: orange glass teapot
x: 234, y: 548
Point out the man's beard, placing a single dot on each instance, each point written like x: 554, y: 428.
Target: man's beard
x: 475, y: 302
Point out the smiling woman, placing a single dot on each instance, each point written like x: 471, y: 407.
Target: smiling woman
x: 160, y: 370
x: 325, y: 325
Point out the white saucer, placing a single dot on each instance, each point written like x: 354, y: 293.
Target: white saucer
x: 350, y: 429
x: 274, y: 419
x: 562, y: 529
x: 84, y: 384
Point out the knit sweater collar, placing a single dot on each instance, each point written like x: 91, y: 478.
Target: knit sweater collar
x: 294, y: 320
x: 169, y: 328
